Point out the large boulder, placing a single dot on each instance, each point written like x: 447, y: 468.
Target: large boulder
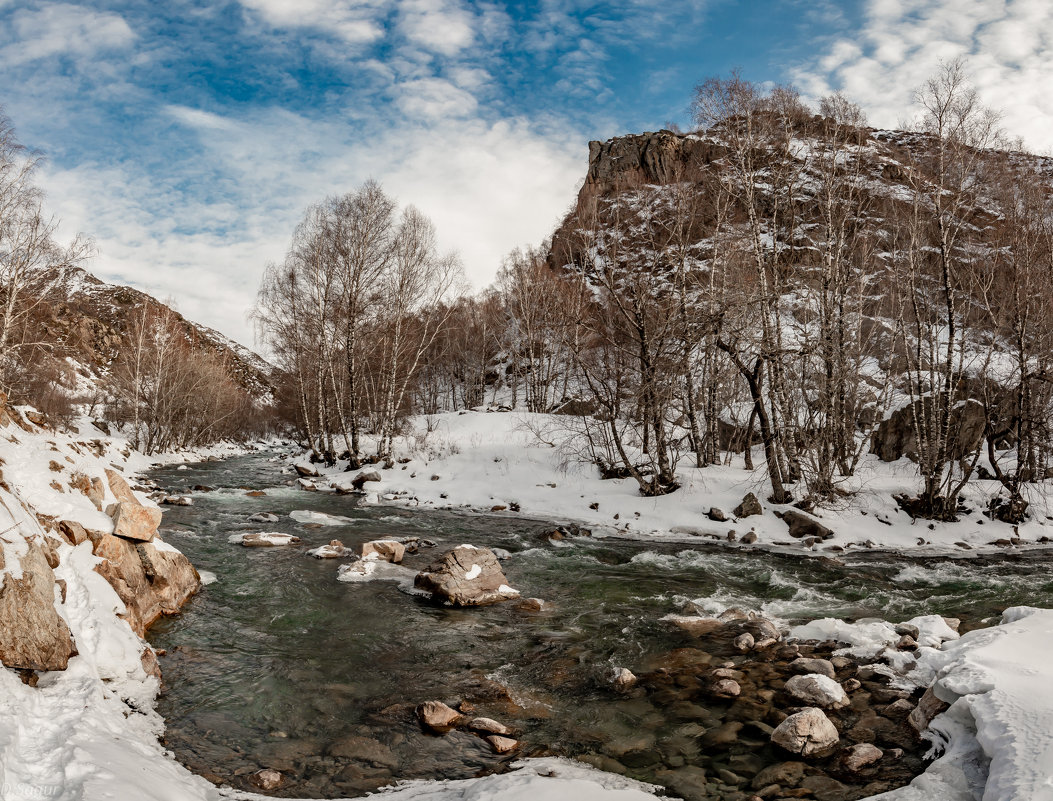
x: 895, y: 436
x: 750, y: 506
x: 151, y: 578
x: 385, y: 550
x: 33, y: 636
x: 808, y: 733
x: 131, y: 519
x: 135, y: 521
x: 466, y: 576
x: 802, y: 525
x: 816, y: 690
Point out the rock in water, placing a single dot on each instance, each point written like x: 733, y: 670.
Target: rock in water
x: 803, y: 664
x: 502, y: 745
x: 305, y: 471
x: 32, y: 634
x: 466, y: 576
x: 621, y: 679
x: 860, y: 756
x: 489, y: 726
x: 808, y: 733
x: 817, y: 690
x: 438, y: 717
x: 265, y: 539
x: 386, y: 550
x: 334, y: 550
x: 267, y: 779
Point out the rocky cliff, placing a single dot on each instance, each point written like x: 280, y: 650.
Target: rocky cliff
x: 86, y: 320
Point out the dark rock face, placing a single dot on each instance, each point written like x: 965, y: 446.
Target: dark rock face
x: 895, y: 437
x: 649, y: 158
x: 33, y: 636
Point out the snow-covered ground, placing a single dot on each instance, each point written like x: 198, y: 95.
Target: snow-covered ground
x: 483, y: 460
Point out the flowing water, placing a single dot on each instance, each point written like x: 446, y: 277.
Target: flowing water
x: 277, y: 664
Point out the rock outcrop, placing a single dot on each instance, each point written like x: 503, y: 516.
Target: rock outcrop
x: 466, y: 576
x: 660, y: 157
x: 895, y: 436
x: 151, y: 578
x: 33, y: 636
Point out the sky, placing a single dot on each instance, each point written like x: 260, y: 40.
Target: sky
x: 188, y: 137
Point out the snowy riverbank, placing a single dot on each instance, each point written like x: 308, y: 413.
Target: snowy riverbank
x: 504, y: 463
x: 90, y: 731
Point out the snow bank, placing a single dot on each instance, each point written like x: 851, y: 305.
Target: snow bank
x: 517, y: 462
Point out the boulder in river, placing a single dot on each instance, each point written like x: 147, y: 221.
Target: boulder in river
x: 804, y: 664
x: 817, y: 690
x: 386, y: 550
x: 860, y: 756
x: 263, y: 517
x: 334, y: 550
x: 305, y: 471
x: 438, y: 717
x: 808, y: 733
x: 466, y: 576
x: 502, y: 745
x: 177, y: 500
x: 489, y: 726
x: 267, y: 779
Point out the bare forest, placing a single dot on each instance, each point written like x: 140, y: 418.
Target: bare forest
x: 792, y: 280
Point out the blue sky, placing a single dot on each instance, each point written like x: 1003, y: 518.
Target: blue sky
x: 188, y: 136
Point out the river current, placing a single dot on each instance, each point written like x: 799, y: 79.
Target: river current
x: 277, y: 664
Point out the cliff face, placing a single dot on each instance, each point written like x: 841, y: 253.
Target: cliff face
x: 649, y: 158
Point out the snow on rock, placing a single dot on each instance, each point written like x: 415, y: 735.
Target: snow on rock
x: 817, y: 690
x: 333, y: 550
x: 373, y: 568
x: 319, y: 518
x: 466, y: 576
x: 263, y: 539
x: 997, y: 682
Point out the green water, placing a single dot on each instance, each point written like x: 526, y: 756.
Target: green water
x: 276, y: 662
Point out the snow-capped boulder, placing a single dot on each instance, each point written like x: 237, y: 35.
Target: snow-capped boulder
x: 33, y: 636
x: 466, y: 576
x: 305, y: 470
x: 388, y: 550
x: 334, y: 550
x: 808, y: 733
x: 131, y: 519
x: 264, y: 539
x: 817, y: 690
x: 263, y: 517
x: 364, y: 478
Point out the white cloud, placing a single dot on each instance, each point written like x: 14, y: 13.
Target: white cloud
x: 1006, y: 43
x: 61, y: 29
x: 487, y: 186
x: 434, y: 98
x: 357, y: 22
x: 441, y: 26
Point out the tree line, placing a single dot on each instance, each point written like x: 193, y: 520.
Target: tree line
x: 788, y: 288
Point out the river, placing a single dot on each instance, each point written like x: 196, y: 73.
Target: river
x: 277, y: 664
